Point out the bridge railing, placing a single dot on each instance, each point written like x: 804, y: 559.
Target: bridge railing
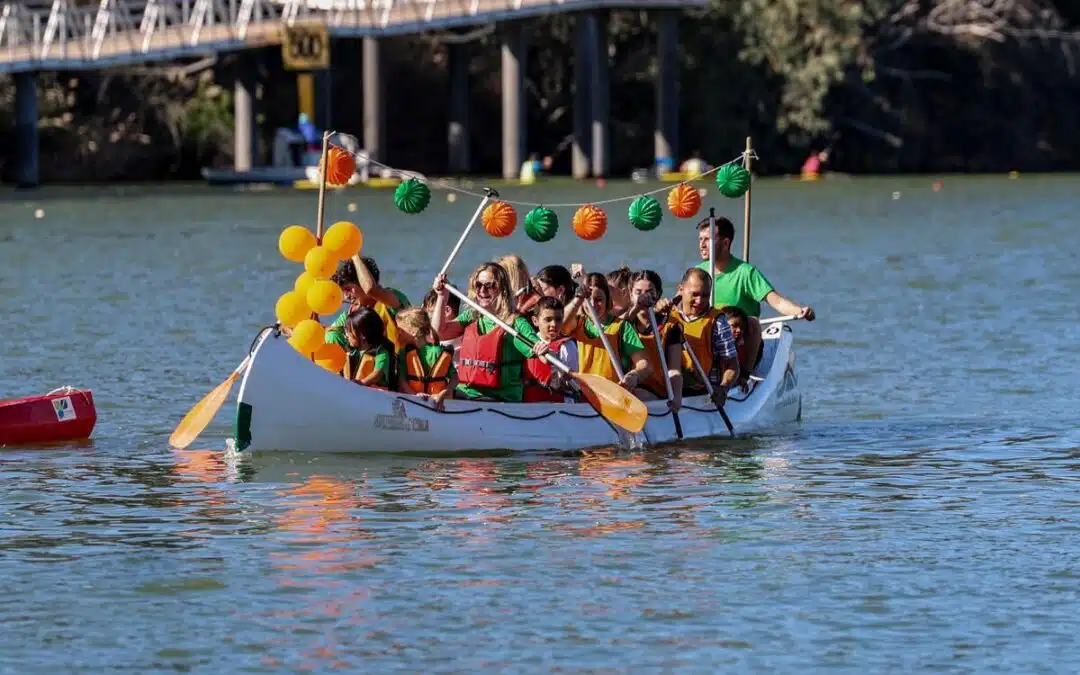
x: 65, y: 34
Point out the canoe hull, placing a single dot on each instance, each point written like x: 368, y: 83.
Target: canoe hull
x: 288, y: 403
x: 57, y: 417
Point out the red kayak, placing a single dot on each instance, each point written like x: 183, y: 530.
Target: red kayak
x: 65, y: 414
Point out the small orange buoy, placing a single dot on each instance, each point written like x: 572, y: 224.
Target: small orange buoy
x: 590, y: 222
x: 500, y: 219
x: 341, y: 166
x: 684, y: 201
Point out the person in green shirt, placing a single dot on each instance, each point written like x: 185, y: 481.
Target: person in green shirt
x: 370, y: 354
x: 489, y: 287
x: 592, y: 356
x: 425, y: 368
x: 359, y: 282
x: 737, y: 283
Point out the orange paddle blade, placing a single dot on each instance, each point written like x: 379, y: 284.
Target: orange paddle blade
x: 200, y: 416
x: 616, y: 404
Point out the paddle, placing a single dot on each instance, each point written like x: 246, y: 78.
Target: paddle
x: 660, y: 349
x: 708, y: 386
x: 203, y: 412
x: 778, y: 319
x: 488, y: 194
x: 614, y: 403
x: 591, y: 311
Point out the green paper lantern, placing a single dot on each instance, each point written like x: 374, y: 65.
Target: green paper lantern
x: 412, y: 196
x: 645, y: 213
x: 733, y: 180
x: 541, y: 224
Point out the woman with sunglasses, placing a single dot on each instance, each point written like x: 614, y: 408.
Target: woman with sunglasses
x: 490, y: 362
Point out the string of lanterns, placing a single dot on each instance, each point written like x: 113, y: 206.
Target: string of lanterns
x: 590, y: 221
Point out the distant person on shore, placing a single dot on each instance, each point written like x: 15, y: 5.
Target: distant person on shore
x: 695, y: 166
x: 310, y: 134
x: 811, y: 168
x: 532, y: 167
x: 740, y: 284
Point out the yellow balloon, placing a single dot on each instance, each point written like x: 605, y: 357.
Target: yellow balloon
x: 343, y: 239
x: 320, y: 262
x: 324, y: 297
x: 331, y: 355
x: 295, y: 241
x: 303, y: 283
x: 307, y: 336
x: 292, y: 308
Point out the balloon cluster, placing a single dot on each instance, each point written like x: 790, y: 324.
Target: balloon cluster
x: 314, y: 293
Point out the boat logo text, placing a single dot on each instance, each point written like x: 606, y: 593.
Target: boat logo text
x: 398, y: 420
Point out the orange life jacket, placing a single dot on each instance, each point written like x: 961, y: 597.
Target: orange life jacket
x: 655, y: 382
x: 536, y: 376
x: 698, y: 335
x: 365, y: 367
x: 480, y: 357
x: 434, y: 382
x: 593, y: 358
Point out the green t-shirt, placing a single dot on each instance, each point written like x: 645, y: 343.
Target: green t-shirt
x: 336, y: 332
x: 514, y: 353
x: 629, y: 341
x: 429, y: 354
x: 382, y: 355
x: 739, y: 285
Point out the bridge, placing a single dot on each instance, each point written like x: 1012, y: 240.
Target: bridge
x: 95, y: 34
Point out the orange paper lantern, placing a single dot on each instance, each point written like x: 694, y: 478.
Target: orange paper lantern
x: 590, y: 222
x: 684, y: 201
x: 500, y: 219
x: 341, y: 166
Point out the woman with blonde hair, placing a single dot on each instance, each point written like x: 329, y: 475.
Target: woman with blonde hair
x: 490, y: 362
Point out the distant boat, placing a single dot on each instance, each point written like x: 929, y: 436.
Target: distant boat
x: 64, y: 414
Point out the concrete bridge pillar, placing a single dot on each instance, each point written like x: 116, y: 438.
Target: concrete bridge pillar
x: 513, y: 93
x: 243, y: 117
x: 666, y: 135
x: 600, y: 106
x: 374, y: 100
x: 26, y: 158
x: 581, y: 150
x: 458, y: 133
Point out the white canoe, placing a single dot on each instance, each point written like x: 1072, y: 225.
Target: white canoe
x: 288, y: 403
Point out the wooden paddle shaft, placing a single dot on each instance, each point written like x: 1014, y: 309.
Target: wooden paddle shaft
x: 746, y: 204
x: 468, y: 229
x: 505, y: 326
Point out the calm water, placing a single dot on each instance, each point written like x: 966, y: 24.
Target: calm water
x: 919, y: 519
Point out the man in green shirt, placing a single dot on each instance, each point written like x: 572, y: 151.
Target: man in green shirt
x: 737, y: 283
x: 359, y: 282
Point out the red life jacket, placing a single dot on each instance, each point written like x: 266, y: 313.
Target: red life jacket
x: 480, y: 357
x: 537, y: 375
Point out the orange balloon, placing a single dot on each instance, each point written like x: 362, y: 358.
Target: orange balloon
x: 590, y: 222
x: 684, y: 201
x: 307, y: 336
x: 343, y: 239
x: 295, y: 241
x: 342, y: 166
x: 500, y: 219
x: 331, y: 355
x: 320, y: 262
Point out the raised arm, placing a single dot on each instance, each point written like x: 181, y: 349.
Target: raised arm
x: 371, y: 287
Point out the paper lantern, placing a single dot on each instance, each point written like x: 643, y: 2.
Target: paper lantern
x: 324, y: 297
x: 499, y: 219
x: 295, y: 241
x: 541, y: 224
x: 732, y: 180
x: 684, y: 201
x: 343, y: 239
x: 303, y: 283
x: 320, y: 262
x: 341, y: 166
x: 412, y: 196
x: 291, y: 309
x: 330, y: 355
x: 645, y: 213
x: 307, y: 337
x: 590, y: 222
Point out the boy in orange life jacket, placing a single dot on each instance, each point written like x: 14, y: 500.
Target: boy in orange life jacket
x: 425, y: 369
x: 706, y: 331
x: 543, y: 382
x: 370, y: 356
x: 737, y: 320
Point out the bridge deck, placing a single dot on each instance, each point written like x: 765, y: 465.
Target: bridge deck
x: 118, y: 32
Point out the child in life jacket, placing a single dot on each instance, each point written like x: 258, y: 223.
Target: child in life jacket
x: 737, y: 321
x: 543, y: 382
x: 371, y: 354
x: 425, y: 368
